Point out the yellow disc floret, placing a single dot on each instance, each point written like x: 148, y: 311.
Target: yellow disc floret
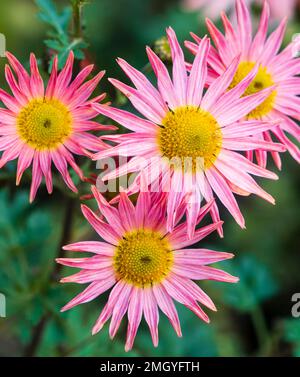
x: 192, y: 133
x: 143, y: 258
x: 262, y: 80
x: 44, y: 123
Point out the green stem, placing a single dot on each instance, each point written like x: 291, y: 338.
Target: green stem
x: 38, y: 330
x: 77, y: 24
x: 261, y: 329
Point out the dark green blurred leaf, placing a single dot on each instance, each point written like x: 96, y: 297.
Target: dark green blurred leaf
x: 256, y: 283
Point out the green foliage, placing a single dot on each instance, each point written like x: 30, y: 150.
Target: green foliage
x: 292, y: 334
x: 60, y: 40
x: 255, y: 286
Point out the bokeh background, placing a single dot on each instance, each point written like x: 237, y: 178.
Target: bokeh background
x: 253, y: 317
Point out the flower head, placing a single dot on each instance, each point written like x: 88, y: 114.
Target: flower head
x: 277, y: 69
x: 213, y: 8
x: 44, y: 125
x: 184, y: 125
x: 145, y: 266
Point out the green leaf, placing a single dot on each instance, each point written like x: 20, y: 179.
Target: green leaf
x: 60, y: 40
x: 256, y: 284
x: 292, y: 334
x: 49, y: 14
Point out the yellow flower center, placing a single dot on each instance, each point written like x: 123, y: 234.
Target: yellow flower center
x: 191, y: 134
x: 44, y: 123
x: 143, y: 258
x: 262, y: 80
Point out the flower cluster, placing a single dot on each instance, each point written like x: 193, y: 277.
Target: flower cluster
x: 203, y: 131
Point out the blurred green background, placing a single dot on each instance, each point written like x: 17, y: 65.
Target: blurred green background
x: 253, y: 317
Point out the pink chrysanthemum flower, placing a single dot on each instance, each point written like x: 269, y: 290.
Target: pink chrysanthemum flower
x: 279, y: 69
x: 183, y: 123
x: 213, y: 8
x: 145, y: 266
x: 44, y: 125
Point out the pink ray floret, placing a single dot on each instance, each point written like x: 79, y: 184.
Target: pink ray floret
x: 138, y: 300
x: 230, y: 171
x: 282, y: 66
x: 44, y: 125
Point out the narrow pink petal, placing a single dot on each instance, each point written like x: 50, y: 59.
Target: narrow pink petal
x: 126, y: 119
x: 219, y: 86
x: 108, y: 309
x: 242, y: 180
x: 207, y: 192
x: 88, y: 276
x: 179, y: 70
x: 94, y: 290
x: 144, y: 85
x: 249, y: 143
x: 24, y: 161
x: 36, y: 82
x: 84, y: 92
x: 143, y: 203
x: 53, y: 78
x: 109, y: 212
x: 96, y: 262
x: 195, y: 291
x: 151, y: 313
x: 129, y: 148
x: 248, y: 128
x: 239, y: 108
x: 260, y: 37
x: 10, y: 102
x: 225, y: 195
x: 197, y: 77
x: 135, y: 311
x: 143, y: 103
x: 45, y: 164
x: 178, y: 238
x: 36, y: 178
x: 200, y: 256
x: 23, y: 76
x: 244, y: 25
x: 242, y: 163
x: 164, y: 82
x: 127, y: 212
x: 204, y: 273
x: 184, y: 297
x: 65, y: 76
x: 174, y: 199
x: 75, y: 84
x: 119, y: 310
x: 104, y: 230
x: 19, y: 96
x: 61, y: 165
x: 101, y: 248
x: 167, y: 306
x: 273, y: 43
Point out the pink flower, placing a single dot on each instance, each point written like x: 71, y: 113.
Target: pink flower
x: 213, y: 8
x: 183, y: 123
x: 145, y: 265
x: 44, y: 125
x: 278, y: 69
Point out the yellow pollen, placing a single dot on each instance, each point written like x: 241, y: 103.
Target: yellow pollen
x: 262, y: 80
x: 44, y: 123
x: 191, y: 134
x: 143, y: 258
